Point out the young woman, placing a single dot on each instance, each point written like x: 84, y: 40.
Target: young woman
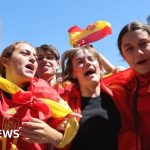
x: 100, y: 124
x: 48, y: 63
x: 134, y: 46
x: 18, y: 67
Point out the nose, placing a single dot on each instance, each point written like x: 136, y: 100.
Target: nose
x: 45, y: 59
x: 87, y: 62
x: 140, y: 52
x: 32, y: 58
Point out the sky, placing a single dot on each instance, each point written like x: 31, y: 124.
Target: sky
x: 47, y: 22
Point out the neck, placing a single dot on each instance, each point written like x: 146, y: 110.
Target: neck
x: 17, y: 83
x: 52, y: 80
x: 146, y: 75
x: 17, y: 80
x: 90, y: 91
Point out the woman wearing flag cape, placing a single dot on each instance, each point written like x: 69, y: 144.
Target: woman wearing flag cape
x: 30, y: 102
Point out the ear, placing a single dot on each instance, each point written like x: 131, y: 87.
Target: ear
x: 74, y: 75
x: 58, y: 65
x: 4, y: 61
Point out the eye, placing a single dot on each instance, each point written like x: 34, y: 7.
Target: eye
x: 91, y: 58
x: 39, y: 58
x: 79, y: 61
x: 24, y: 53
x: 129, y: 49
x: 144, y: 43
x: 50, y: 57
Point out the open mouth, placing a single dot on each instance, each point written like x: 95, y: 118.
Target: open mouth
x: 30, y: 66
x: 141, y: 62
x: 90, y: 72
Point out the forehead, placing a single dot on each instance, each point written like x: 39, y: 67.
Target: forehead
x: 25, y: 46
x: 45, y: 53
x: 134, y: 35
x: 82, y: 53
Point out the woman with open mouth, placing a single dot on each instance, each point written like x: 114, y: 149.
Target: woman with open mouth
x: 100, y: 122
x: 21, y: 109
x: 134, y: 46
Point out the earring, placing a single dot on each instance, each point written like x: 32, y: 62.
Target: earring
x: 58, y: 70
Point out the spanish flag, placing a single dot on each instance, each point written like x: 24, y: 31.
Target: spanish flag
x: 42, y: 102
x: 91, y: 33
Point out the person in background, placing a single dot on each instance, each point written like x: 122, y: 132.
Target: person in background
x: 100, y: 122
x: 48, y: 63
x: 134, y: 46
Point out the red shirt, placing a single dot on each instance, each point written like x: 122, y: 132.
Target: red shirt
x: 123, y: 88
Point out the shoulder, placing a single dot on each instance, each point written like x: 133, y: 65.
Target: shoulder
x: 69, y: 92
x: 42, y: 88
x: 39, y: 81
x: 121, y: 81
x: 65, y: 87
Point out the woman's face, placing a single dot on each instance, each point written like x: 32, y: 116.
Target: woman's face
x: 47, y: 64
x: 86, y: 68
x: 22, y: 65
x: 136, y: 50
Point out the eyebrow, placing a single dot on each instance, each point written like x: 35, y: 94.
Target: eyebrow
x: 77, y: 59
x: 35, y: 54
x: 146, y: 39
x: 141, y: 40
x: 126, y: 45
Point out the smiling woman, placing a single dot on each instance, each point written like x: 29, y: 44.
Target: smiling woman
x: 48, y: 63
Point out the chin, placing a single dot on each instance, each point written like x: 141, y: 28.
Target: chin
x: 29, y: 76
x: 95, y: 81
x: 142, y: 72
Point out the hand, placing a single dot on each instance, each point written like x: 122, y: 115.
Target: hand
x: 63, y: 124
x: 37, y: 131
